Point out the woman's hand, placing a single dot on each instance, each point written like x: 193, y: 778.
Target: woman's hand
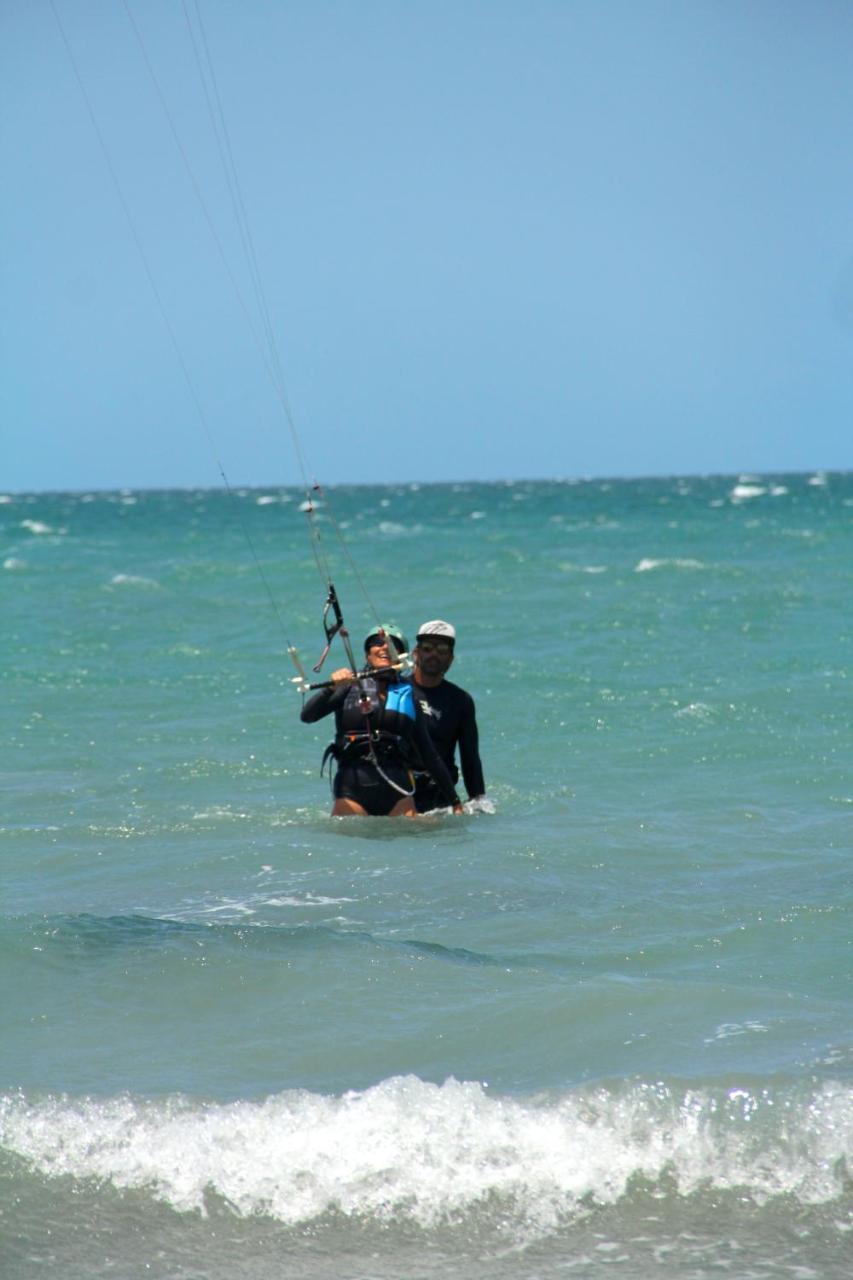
x: 343, y: 675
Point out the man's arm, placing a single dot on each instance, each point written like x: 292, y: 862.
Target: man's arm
x: 469, y: 751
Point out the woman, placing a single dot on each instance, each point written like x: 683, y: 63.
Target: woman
x: 380, y: 734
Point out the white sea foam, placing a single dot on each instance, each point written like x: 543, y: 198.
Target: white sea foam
x: 309, y: 900
x: 696, y: 711
x: 567, y: 567
x: 743, y: 492
x: 480, y: 804
x: 216, y: 811
x: 678, y: 562
x: 409, y: 531
x: 36, y: 526
x: 405, y: 1149
x: 132, y: 580
x: 726, y: 1030
x: 232, y: 907
x: 12, y: 562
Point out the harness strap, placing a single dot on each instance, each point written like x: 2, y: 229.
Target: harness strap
x: 363, y: 746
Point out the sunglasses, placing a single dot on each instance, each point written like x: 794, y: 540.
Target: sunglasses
x: 379, y: 642
x: 441, y: 647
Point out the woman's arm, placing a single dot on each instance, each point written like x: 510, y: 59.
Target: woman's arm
x: 324, y: 701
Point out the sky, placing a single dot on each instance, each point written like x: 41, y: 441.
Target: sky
x: 495, y: 240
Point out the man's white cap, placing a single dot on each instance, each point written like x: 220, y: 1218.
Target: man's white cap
x: 437, y: 628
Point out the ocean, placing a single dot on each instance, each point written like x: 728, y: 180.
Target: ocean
x: 602, y: 1026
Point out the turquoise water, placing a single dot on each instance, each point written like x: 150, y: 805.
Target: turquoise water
x: 604, y: 1028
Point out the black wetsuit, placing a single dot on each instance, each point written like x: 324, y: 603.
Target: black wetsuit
x: 376, y: 748
x: 451, y: 718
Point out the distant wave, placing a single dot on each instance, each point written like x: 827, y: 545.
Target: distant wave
x: 394, y: 529
x: 747, y: 488
x: 408, y: 1150
x: 643, y: 566
x: 132, y: 580
x: 38, y: 527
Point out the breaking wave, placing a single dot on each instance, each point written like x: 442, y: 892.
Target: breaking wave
x: 408, y: 1150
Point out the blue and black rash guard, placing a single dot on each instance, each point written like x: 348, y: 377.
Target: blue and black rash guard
x: 392, y: 728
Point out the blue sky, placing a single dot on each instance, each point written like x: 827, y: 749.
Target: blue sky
x: 496, y: 240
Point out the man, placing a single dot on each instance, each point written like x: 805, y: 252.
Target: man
x: 449, y: 712
x: 379, y: 728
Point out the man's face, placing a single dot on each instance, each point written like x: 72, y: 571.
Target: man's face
x: 433, y: 657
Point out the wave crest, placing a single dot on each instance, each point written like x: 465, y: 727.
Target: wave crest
x: 411, y: 1150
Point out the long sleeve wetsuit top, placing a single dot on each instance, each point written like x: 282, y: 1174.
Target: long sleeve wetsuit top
x: 452, y: 721
x: 393, y: 729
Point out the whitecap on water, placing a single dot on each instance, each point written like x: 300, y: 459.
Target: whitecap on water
x: 392, y: 529
x: 132, y: 580
x: 408, y: 1150
x: 743, y: 492
x: 13, y: 563
x: 218, y: 811
x: 696, y: 710
x: 36, y: 526
x: 728, y: 1029
x: 234, y: 908
x: 645, y: 565
x: 309, y: 900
